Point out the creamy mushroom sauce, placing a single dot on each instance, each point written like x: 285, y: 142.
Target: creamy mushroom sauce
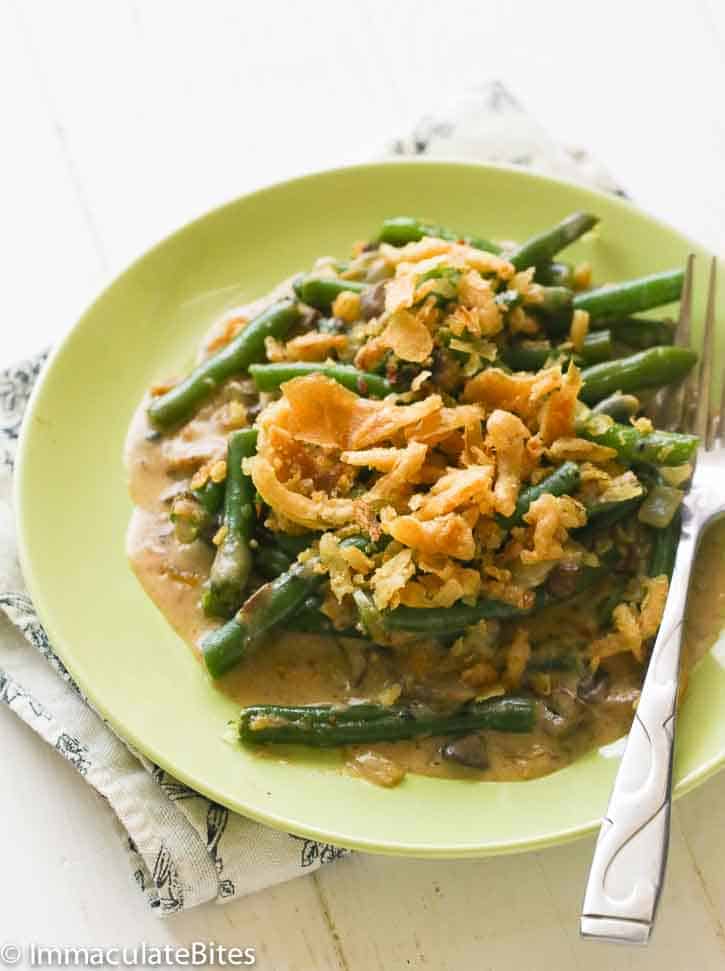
x: 293, y: 668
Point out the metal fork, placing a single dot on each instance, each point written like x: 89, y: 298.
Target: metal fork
x: 628, y: 868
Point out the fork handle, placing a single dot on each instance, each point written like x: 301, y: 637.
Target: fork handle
x: 629, y: 861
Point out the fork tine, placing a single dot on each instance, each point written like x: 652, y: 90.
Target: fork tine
x: 684, y: 320
x: 705, y: 413
x: 721, y: 417
x: 676, y: 400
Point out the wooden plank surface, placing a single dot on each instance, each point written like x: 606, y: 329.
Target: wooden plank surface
x: 124, y: 119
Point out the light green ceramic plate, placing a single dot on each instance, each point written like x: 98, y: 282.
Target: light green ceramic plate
x: 73, y: 507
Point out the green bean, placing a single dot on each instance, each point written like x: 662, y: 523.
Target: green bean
x: 555, y: 274
x: 310, y: 620
x: 189, y: 518
x: 233, y: 560
x: 195, y: 512
x: 440, y: 622
x: 403, y: 229
x: 369, y: 618
x: 325, y: 726
x: 268, y: 377
x: 270, y: 562
x: 554, y: 309
x: 631, y: 445
x: 600, y: 513
x: 528, y: 355
x: 597, y: 347
x: 533, y: 355
x: 620, y: 407
x: 631, y: 297
x: 605, y: 608
x: 292, y: 543
x: 183, y: 400
x: 267, y: 608
x: 210, y: 496
x: 556, y: 302
x: 320, y: 291
x: 664, y: 548
x: 652, y: 368
x: 544, y: 246
x: 603, y: 519
x: 555, y: 277
x: 276, y: 552
x: 640, y: 332
x: 561, y: 481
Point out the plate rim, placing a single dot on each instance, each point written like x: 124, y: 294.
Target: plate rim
x: 21, y: 510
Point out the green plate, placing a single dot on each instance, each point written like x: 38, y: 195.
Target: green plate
x: 73, y: 507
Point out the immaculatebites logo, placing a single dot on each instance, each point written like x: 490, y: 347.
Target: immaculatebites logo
x: 194, y: 955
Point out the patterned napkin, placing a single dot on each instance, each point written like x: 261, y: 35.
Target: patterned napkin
x: 185, y: 850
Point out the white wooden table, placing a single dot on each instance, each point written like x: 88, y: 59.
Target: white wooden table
x: 119, y: 122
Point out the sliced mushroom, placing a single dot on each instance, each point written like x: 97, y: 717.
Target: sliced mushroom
x: 310, y: 316
x: 356, y: 659
x: 447, y: 371
x: 452, y: 694
x: 561, y: 714
x: 254, y: 410
x: 555, y: 724
x: 469, y: 751
x: 594, y: 687
x: 562, y: 580
x: 372, y: 301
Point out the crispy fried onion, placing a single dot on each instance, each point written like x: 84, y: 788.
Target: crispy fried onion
x: 633, y: 626
x: 408, y: 337
x: 552, y: 517
x: 440, y: 425
x: 458, y: 255
x: 546, y: 400
x: 440, y: 583
x: 318, y: 511
x: 449, y: 535
x: 507, y: 435
x: 319, y: 411
x: 313, y: 346
x: 390, y: 578
x: 398, y: 481
x: 579, y: 450
x: 557, y: 414
x: 456, y: 488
